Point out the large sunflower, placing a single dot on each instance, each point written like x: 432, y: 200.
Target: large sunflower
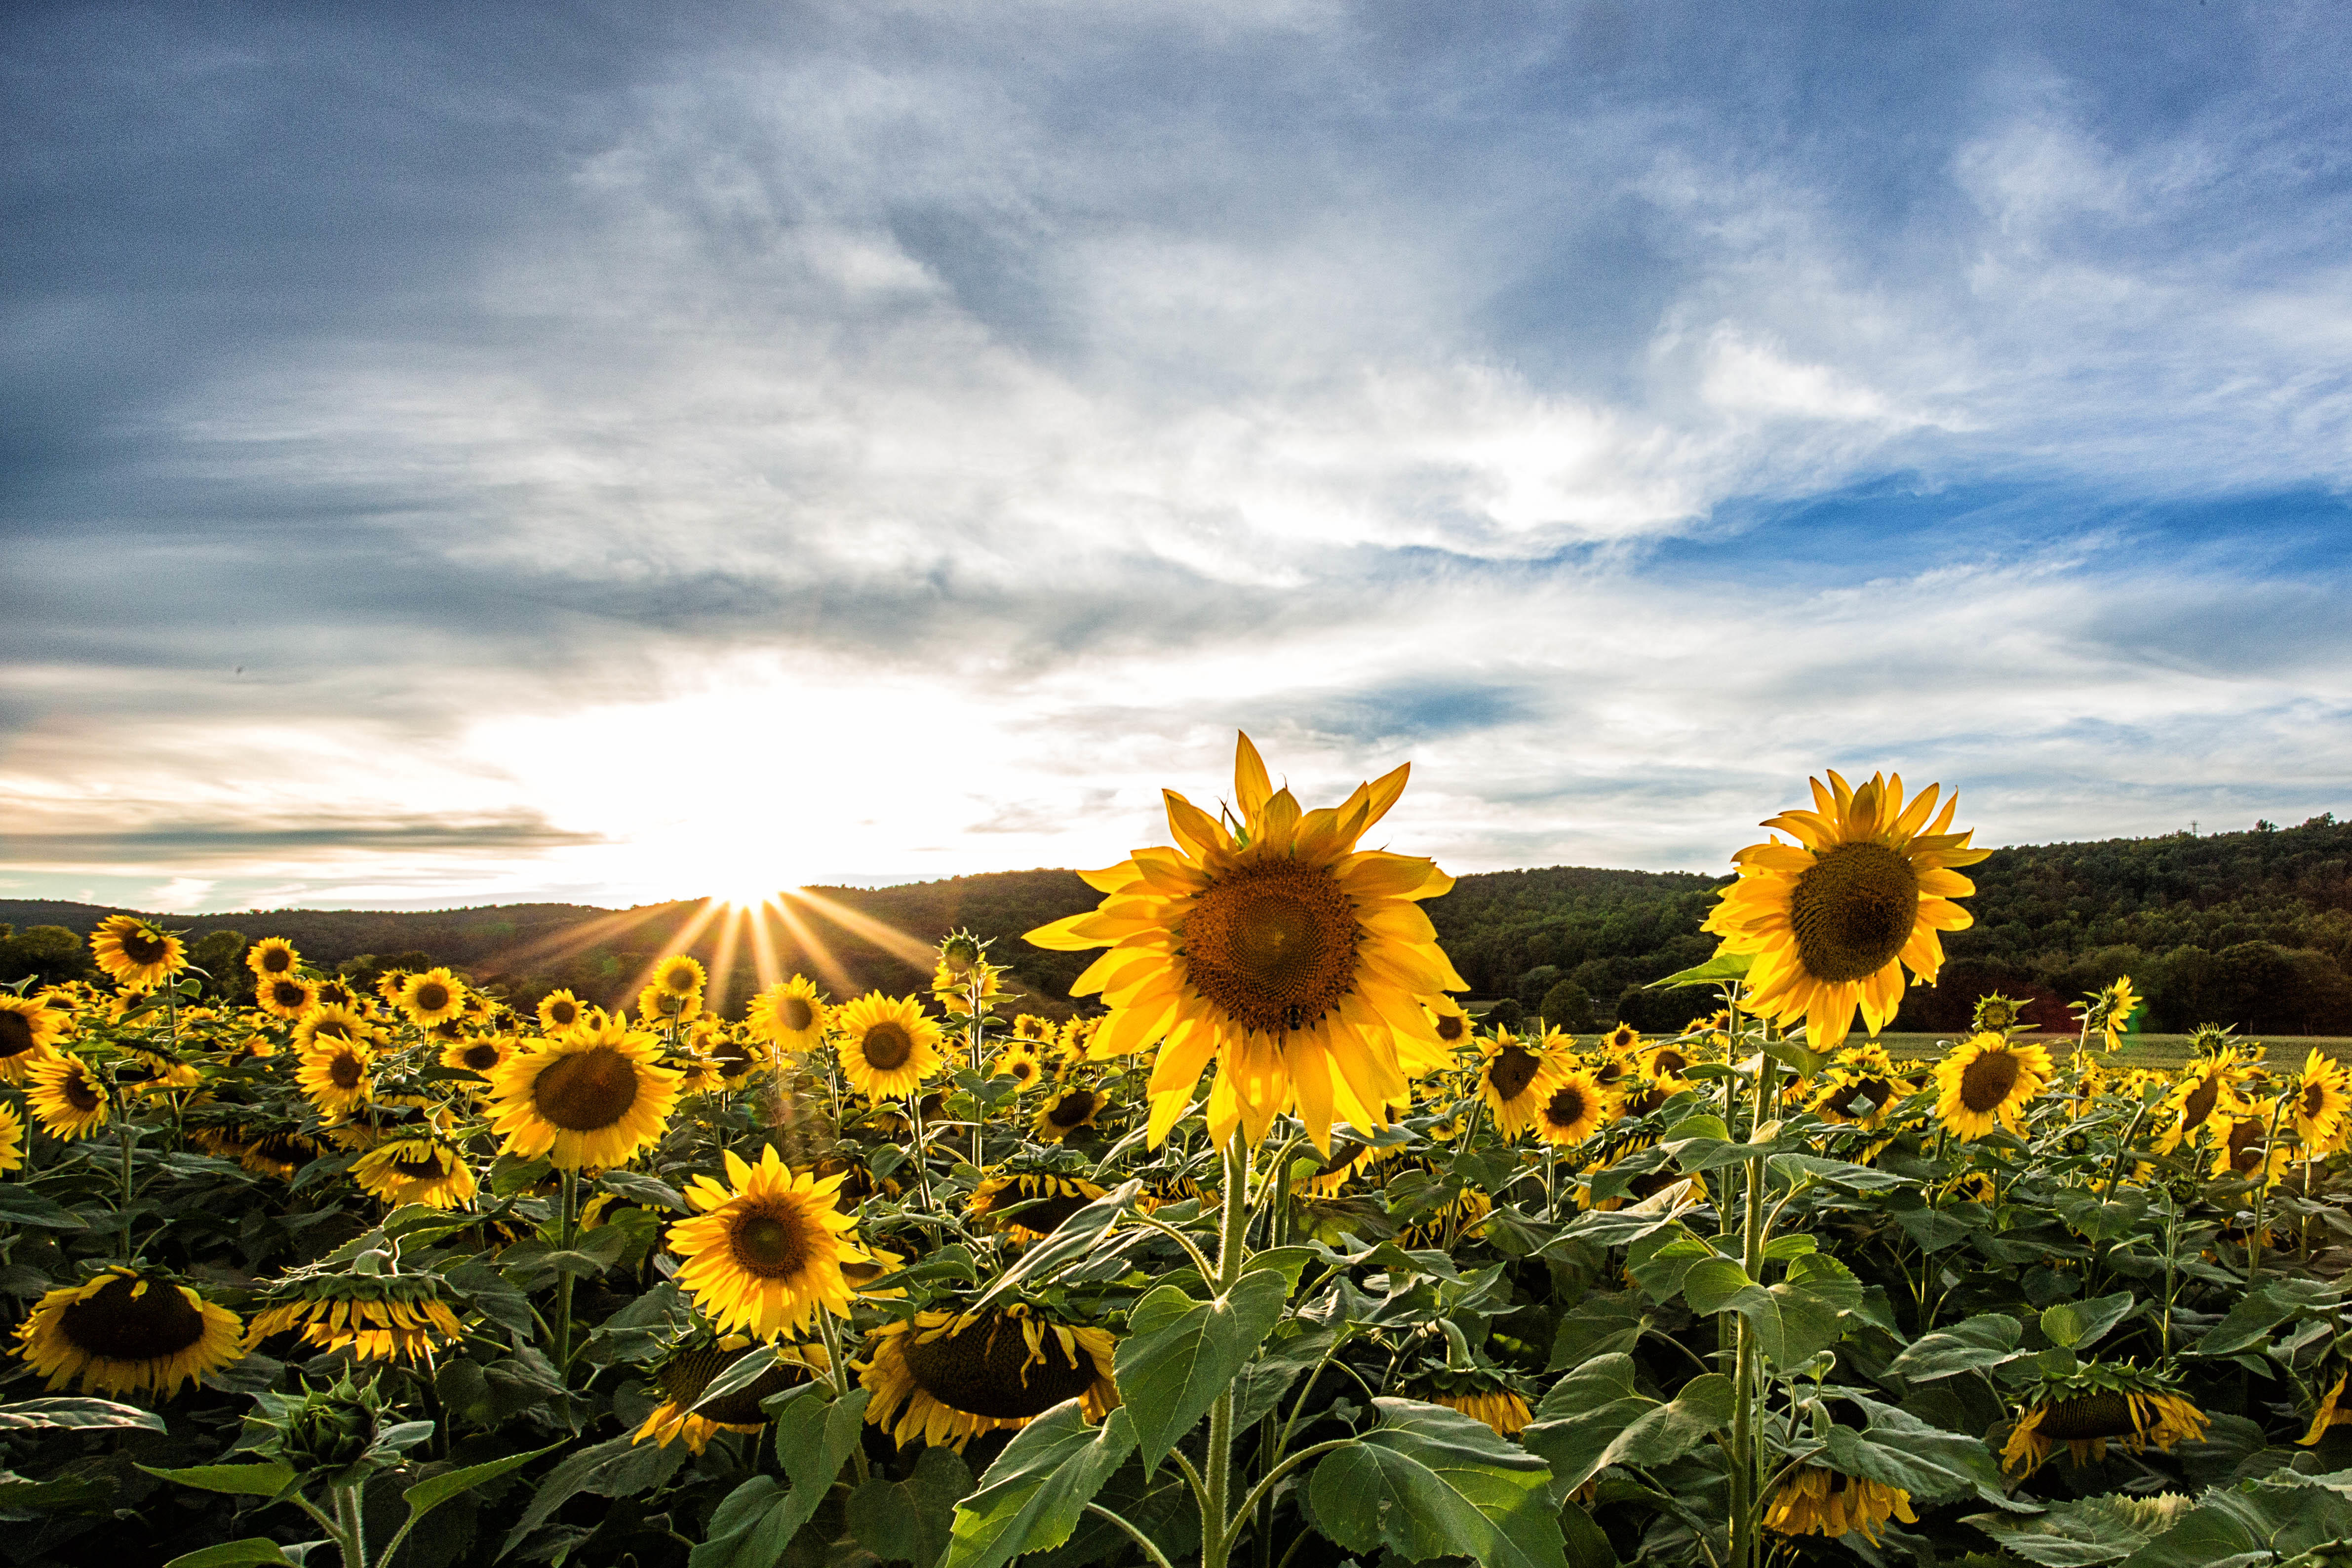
x: 790, y: 1015
x: 1986, y: 1081
x: 338, y: 1075
x: 2244, y: 1150
x: 70, y: 1100
x: 1578, y: 1109
x: 28, y: 1027
x: 416, y: 1171
x: 138, y: 954
x: 271, y: 957
x: 1833, y: 919
x: 958, y: 1375
x: 594, y: 1097
x: 684, y: 1376
x: 433, y: 998
x: 285, y: 995
x: 766, y: 1258
x: 127, y: 1331
x: 1296, y: 962
x: 1518, y: 1081
x: 888, y: 1047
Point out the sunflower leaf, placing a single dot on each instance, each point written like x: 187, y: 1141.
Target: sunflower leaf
x: 911, y: 1520
x: 1180, y: 1353
x: 1430, y: 1482
x: 430, y: 1494
x: 233, y: 1554
x: 239, y: 1480
x: 82, y: 1414
x: 1979, y: 1343
x: 1076, y: 1237
x: 1722, y: 967
x: 1033, y: 1496
x: 739, y: 1375
x: 18, y: 1206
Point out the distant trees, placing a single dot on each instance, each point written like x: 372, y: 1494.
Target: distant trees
x: 1567, y: 1005
x: 50, y: 955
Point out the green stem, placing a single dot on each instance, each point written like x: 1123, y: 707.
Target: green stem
x: 348, y: 1514
x: 2263, y: 1194
x: 124, y: 1133
x: 569, y: 1232
x: 1746, y: 1392
x: 840, y: 1365
x: 1217, y: 1526
x: 1158, y: 1558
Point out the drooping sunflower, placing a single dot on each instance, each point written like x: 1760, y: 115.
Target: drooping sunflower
x: 377, y: 1316
x: 416, y: 1171
x: 1477, y: 1393
x: 2100, y: 1403
x: 766, y: 1258
x: 2320, y: 1105
x: 433, y: 998
x: 1296, y: 962
x: 271, y: 957
x: 888, y: 1047
x: 593, y: 1097
x: 276, y: 1153
x: 1854, y: 1096
x: 285, y: 995
x: 28, y: 1027
x: 1067, y: 1113
x: 1820, y: 1502
x: 483, y: 1054
x: 2244, y: 1150
x: 1019, y: 1062
x: 2206, y: 1095
x: 338, y: 1075
x: 138, y: 954
x: 1028, y: 1205
x: 68, y: 1097
x: 558, y: 1011
x: 790, y: 1015
x: 1646, y: 1184
x: 127, y: 1330
x: 2334, y: 1410
x: 961, y: 1374
x: 1578, y: 1109
x: 1518, y: 1081
x: 1834, y: 919
x: 690, y: 1369
x: 12, y: 1138
x: 1985, y: 1082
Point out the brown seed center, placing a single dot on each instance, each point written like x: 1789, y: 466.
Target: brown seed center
x: 1273, y: 945
x: 276, y: 961
x: 1512, y: 1070
x: 15, y: 1032
x: 290, y: 994
x: 144, y: 946
x: 1451, y: 1027
x: 481, y: 1057
x: 432, y: 996
x: 770, y: 1241
x: 80, y: 1093
x: 345, y: 1072
x: 796, y: 1013
x: 563, y: 1015
x: 986, y: 1371
x: 2200, y: 1102
x: 887, y: 1046
x: 156, y: 1323
x: 2106, y: 1413
x: 586, y: 1092
x: 1072, y: 1109
x: 1985, y: 1082
x: 1566, y: 1107
x: 1853, y: 910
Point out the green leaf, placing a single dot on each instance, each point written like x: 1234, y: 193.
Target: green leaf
x: 1839, y: 1173
x: 77, y: 1415
x: 1701, y: 1406
x: 639, y: 1187
x: 1805, y: 1063
x: 911, y: 1520
x: 614, y: 1469
x: 1075, y: 1238
x: 231, y: 1553
x: 240, y: 1480
x: 739, y: 1375
x: 1979, y: 1343
x: 18, y: 1206
x: 815, y: 1434
x: 1898, y: 1450
x: 1432, y: 1482
x: 1180, y: 1353
x: 1266, y: 1381
x: 1598, y: 1326
x: 1713, y: 1285
x: 1582, y: 1415
x: 2262, y: 1310
x: 1722, y: 968
x: 1035, y: 1494
x: 427, y: 1495
x: 1933, y: 1230
x: 2076, y: 1324
x: 2086, y: 1531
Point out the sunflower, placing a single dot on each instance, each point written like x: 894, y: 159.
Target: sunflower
x: 1578, y: 1107
x: 285, y: 995
x: 2206, y: 1095
x: 1039, y: 1201
x: 684, y: 1376
x: 679, y: 975
x: 277, y: 1155
x: 1665, y: 1063
x: 1517, y: 1081
x: 433, y: 998
x: 1037, y: 1031
x: 12, y: 1138
x: 2118, y: 1005
x: 338, y: 1077
x: 416, y: 1171
x: 2334, y: 1410
x: 888, y: 1047
x: 790, y: 1015
x: 152, y: 1072
x: 558, y: 1011
x: 1452, y: 1024
x: 1622, y: 1039
x: 1019, y: 1062
x: 657, y: 1005
x: 961, y: 1374
x: 27, y: 1028
x: 2244, y: 1151
x: 1856, y: 1096
x: 766, y: 1258
x: 70, y: 1100
x: 1477, y: 1393
x: 2320, y: 1104
x: 483, y: 1054
x: 139, y: 955
x: 1820, y: 1501
x: 1985, y: 1082
x: 378, y: 1317
x: 1068, y: 1113
x: 1649, y: 1183
x: 271, y: 957
x: 337, y: 993
x: 593, y: 1097
x: 736, y: 1060
x: 1833, y: 919
x: 127, y: 1330
x: 2098, y: 1403
x: 326, y: 1026
x: 1296, y: 962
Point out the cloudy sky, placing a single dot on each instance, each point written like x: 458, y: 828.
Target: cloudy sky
x: 455, y: 453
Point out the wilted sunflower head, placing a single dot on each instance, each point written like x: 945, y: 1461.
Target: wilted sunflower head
x: 1478, y: 1392
x: 1028, y: 1205
x: 693, y: 1368
x: 366, y: 1306
x: 1816, y: 1500
x: 127, y: 1330
x: 2097, y: 1404
x: 961, y: 1375
x: 594, y: 1097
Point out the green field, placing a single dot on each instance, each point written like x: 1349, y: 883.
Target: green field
x: 2137, y: 1050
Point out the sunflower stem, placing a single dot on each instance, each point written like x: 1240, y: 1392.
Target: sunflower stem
x: 353, y: 1521
x: 1233, y: 1249
x: 569, y: 1232
x: 128, y: 1137
x: 2262, y: 1192
x: 840, y: 1365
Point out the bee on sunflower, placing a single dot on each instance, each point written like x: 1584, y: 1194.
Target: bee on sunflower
x: 2097, y: 1404
x: 594, y: 1097
x: 1067, y: 1113
x: 137, y: 954
x: 425, y: 1170
x: 1816, y: 1500
x: 960, y: 1375
x: 764, y: 1254
x: 1518, y: 1081
x: 791, y: 1014
x: 68, y: 1097
x: 887, y: 1046
x: 1834, y: 919
x: 28, y: 1028
x: 127, y: 1330
x: 1986, y: 1081
x: 692, y: 1368
x: 1297, y: 964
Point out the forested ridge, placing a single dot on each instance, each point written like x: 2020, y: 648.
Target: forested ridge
x: 2250, y: 928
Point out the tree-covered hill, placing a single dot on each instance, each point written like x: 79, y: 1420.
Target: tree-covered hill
x: 2250, y: 927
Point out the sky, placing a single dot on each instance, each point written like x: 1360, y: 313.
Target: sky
x: 455, y: 454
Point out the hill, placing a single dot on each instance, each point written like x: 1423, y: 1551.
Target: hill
x: 2250, y: 927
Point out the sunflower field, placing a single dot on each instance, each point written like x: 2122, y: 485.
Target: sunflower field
x: 1274, y: 1257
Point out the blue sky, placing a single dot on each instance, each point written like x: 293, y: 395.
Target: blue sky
x: 453, y: 454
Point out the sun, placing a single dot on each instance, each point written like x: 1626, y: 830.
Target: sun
x: 748, y: 888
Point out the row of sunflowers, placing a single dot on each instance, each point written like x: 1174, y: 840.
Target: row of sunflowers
x: 1281, y: 1257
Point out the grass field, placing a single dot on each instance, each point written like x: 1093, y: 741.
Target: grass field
x: 2137, y: 1050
